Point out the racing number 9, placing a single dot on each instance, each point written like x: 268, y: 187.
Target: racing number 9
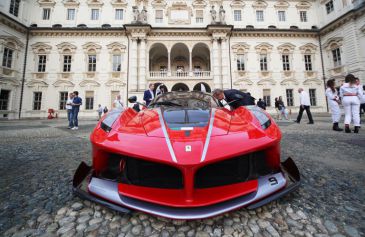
x: 273, y: 181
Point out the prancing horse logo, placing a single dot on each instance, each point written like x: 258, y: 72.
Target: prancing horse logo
x: 188, y: 148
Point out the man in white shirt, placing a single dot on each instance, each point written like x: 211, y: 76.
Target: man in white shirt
x: 69, y: 109
x: 304, y: 105
x: 118, y: 104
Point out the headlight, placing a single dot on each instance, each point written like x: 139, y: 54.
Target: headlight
x: 261, y: 116
x: 109, y: 120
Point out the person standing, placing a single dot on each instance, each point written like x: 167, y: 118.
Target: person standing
x: 362, y: 100
x: 277, y: 108
x: 282, y: 109
x: 76, y: 103
x: 304, y: 105
x: 349, y: 92
x: 334, y: 104
x: 100, y: 111
x: 148, y: 94
x: 261, y: 104
x: 118, y: 104
x: 69, y: 109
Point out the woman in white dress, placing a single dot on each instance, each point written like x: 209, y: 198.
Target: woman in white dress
x: 334, y: 104
x: 349, y: 92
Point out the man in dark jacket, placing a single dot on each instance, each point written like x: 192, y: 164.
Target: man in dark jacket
x: 149, y: 95
x: 261, y: 104
x: 234, y: 98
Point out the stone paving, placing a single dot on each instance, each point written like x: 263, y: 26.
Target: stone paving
x: 38, y: 159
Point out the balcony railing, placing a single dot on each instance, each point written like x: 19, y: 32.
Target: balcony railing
x: 176, y: 74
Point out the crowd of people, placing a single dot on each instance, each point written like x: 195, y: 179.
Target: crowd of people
x: 350, y: 95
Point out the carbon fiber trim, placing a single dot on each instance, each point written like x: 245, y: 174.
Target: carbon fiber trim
x: 108, y: 190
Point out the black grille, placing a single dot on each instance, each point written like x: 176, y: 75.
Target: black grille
x: 143, y: 173
x: 231, y: 171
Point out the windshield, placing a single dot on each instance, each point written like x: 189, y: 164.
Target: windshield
x: 185, y: 100
x: 177, y: 119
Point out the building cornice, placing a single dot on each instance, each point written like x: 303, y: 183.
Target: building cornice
x: 73, y: 31
x: 13, y: 23
x: 348, y: 16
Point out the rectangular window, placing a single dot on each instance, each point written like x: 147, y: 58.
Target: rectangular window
x: 67, y: 63
x: 117, y: 63
x: 289, y: 97
x: 42, y: 63
x: 63, y: 99
x: 266, y: 97
x: 118, y: 14
x: 281, y: 15
x: 308, y: 62
x: 286, y: 63
x: 312, y: 97
x: 14, y: 7
x: 237, y: 15
x: 89, y: 99
x: 263, y: 62
x: 336, y: 54
x: 159, y: 16
x: 303, y: 16
x: 199, y: 16
x: 37, y: 100
x: 240, y: 62
x: 46, y: 13
x: 7, y: 57
x: 260, y: 15
x: 70, y: 14
x: 92, y: 63
x: 4, y: 99
x: 94, y: 14
x: 329, y: 7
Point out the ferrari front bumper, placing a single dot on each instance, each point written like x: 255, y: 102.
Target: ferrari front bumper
x: 105, y: 192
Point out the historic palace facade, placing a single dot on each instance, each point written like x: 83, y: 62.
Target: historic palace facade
x: 103, y: 48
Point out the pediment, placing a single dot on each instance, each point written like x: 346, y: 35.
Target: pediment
x: 158, y: 4
x: 87, y: 82
x: 237, y: 4
x: 308, y: 46
x: 259, y: 4
x: 63, y: 83
x: 114, y: 82
x: 264, y: 46
x: 71, y: 3
x: 95, y: 3
x: 266, y: 82
x: 66, y: 46
x: 281, y: 4
x: 289, y: 81
x: 199, y: 4
x: 240, y: 47
x: 39, y: 83
x: 46, y: 3
x: 11, y: 40
x: 116, y: 46
x: 286, y: 46
x: 303, y: 5
x: 333, y: 42
x: 243, y: 82
x: 119, y: 3
x: 41, y: 47
x: 312, y: 81
x: 9, y: 81
x: 91, y: 46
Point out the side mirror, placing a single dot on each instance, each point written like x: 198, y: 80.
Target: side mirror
x: 132, y: 99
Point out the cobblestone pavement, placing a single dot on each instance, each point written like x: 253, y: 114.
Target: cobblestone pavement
x: 38, y: 159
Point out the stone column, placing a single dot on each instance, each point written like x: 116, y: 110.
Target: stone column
x: 142, y: 65
x: 168, y: 63
x: 133, y: 65
x: 225, y: 65
x: 216, y: 68
x: 190, y: 63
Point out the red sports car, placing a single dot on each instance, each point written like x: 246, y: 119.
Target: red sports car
x: 184, y: 157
